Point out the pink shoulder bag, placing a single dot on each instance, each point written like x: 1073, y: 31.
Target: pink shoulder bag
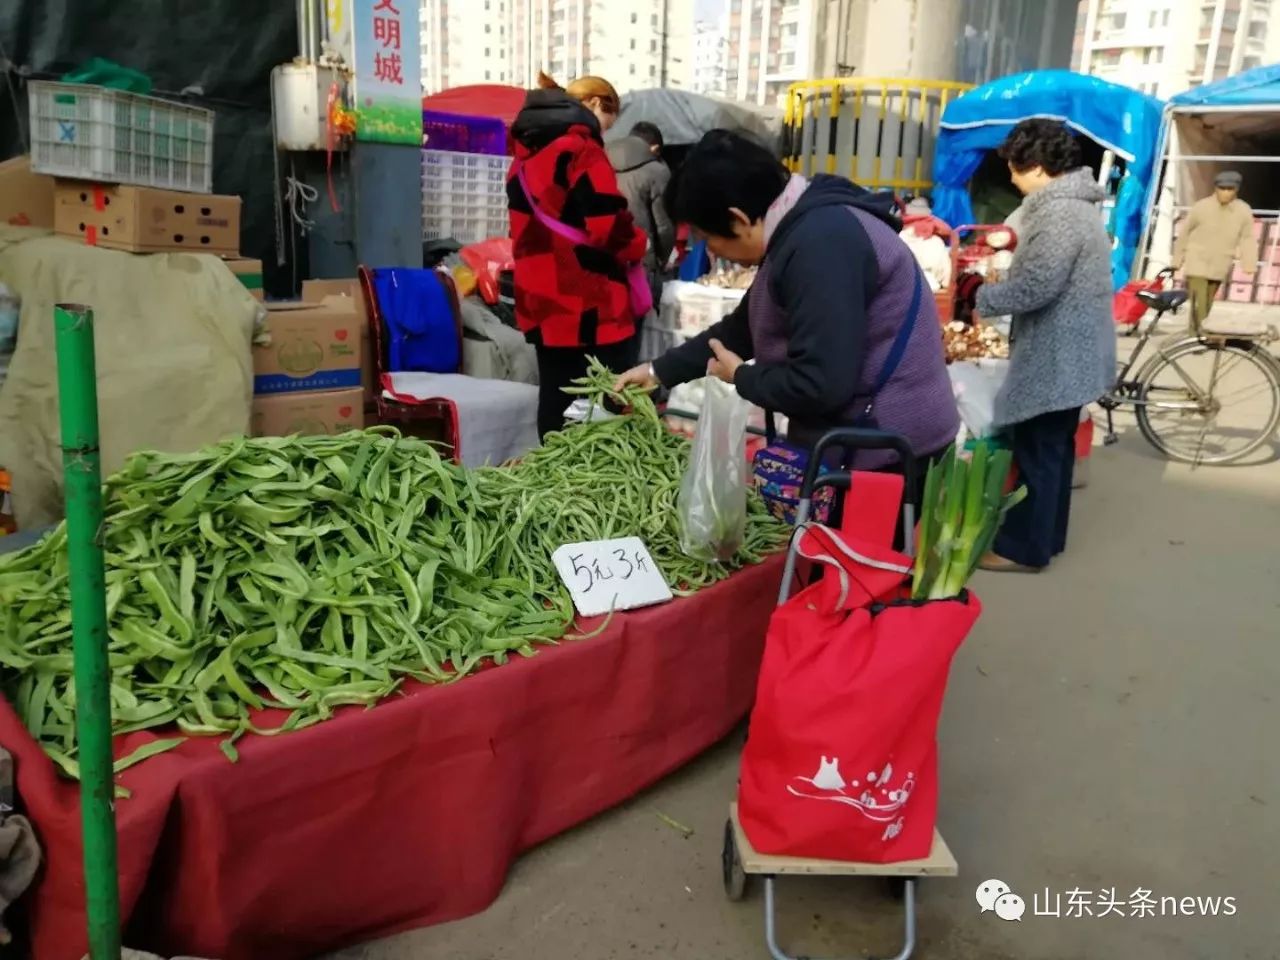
x: 637, y: 276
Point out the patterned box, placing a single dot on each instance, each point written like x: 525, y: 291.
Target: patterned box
x: 779, y: 472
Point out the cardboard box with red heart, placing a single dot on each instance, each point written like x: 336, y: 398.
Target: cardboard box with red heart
x: 314, y: 346
x: 314, y: 291
x: 308, y: 412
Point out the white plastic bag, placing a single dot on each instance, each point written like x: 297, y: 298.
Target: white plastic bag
x: 975, y: 384
x: 582, y: 410
x: 713, y: 493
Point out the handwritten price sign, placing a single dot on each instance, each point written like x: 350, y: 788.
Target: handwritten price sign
x: 606, y: 575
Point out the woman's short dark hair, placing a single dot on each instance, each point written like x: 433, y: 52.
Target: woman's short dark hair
x: 725, y: 170
x: 1041, y: 142
x: 649, y: 133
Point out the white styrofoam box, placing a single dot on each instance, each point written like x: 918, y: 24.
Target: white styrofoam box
x: 87, y: 132
x: 691, y: 308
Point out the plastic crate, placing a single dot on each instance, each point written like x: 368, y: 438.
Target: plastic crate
x: 110, y: 136
x: 466, y: 228
x: 459, y: 133
x: 464, y: 196
x: 466, y: 167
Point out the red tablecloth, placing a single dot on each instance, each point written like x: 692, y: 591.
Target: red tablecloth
x: 407, y: 814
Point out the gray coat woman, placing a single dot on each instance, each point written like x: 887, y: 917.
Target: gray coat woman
x: 1062, y: 353
x: 642, y: 179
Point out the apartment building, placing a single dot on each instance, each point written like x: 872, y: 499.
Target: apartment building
x: 770, y: 46
x: 1164, y: 47
x: 773, y: 43
x: 633, y: 43
x: 465, y: 42
x: 710, y: 55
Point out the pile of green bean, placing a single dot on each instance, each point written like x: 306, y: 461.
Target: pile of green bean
x: 613, y: 478
x: 311, y: 573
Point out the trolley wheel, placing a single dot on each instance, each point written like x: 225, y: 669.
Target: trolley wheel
x: 735, y: 878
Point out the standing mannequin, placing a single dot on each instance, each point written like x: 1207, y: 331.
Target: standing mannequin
x: 1218, y: 231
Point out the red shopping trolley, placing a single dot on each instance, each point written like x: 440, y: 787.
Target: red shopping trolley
x: 763, y: 836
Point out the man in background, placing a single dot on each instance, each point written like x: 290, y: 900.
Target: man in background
x: 642, y: 179
x: 1218, y: 231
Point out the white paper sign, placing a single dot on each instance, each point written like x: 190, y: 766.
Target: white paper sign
x: 605, y: 575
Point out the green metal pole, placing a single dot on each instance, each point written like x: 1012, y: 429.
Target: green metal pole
x: 82, y: 475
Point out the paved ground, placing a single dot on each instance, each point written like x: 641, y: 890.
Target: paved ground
x: 1110, y: 724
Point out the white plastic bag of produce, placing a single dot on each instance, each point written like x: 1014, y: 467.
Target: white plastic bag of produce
x: 976, y: 383
x: 713, y: 493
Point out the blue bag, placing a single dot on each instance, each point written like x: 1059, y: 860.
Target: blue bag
x: 422, y: 329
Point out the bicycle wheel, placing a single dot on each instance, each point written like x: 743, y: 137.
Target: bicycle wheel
x: 1201, y: 402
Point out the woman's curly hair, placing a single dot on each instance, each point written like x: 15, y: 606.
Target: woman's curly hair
x: 1041, y: 142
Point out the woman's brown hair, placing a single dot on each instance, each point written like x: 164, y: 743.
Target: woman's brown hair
x: 584, y: 88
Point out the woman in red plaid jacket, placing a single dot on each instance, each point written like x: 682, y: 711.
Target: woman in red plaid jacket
x: 572, y: 299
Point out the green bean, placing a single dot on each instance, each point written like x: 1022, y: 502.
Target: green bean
x: 315, y: 573
x: 146, y: 751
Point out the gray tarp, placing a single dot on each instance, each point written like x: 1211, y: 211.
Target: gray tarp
x: 493, y: 351
x: 684, y: 117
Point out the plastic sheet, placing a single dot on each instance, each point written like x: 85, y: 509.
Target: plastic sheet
x: 713, y: 493
x: 683, y: 117
x: 1118, y: 118
x: 976, y: 384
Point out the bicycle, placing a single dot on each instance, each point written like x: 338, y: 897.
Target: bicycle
x: 1181, y: 393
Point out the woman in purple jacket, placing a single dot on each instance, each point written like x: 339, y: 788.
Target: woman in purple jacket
x: 835, y: 286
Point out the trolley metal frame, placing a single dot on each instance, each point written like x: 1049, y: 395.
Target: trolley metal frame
x: 739, y: 859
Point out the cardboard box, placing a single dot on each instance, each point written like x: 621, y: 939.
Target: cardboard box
x: 26, y: 198
x: 1240, y: 292
x: 147, y: 220
x: 313, y: 291
x: 248, y: 272
x: 310, y: 413
x: 314, y: 346
x: 316, y: 290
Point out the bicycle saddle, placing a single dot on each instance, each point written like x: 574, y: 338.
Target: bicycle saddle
x: 1163, y: 300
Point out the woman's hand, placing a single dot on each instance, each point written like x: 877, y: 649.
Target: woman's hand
x: 640, y: 375
x: 724, y: 365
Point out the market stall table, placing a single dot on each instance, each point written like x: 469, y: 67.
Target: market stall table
x: 406, y: 814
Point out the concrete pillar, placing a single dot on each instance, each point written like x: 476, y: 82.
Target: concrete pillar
x: 906, y: 38
x: 379, y: 222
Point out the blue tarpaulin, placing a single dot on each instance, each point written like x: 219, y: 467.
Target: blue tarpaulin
x: 1118, y: 118
x: 1261, y: 85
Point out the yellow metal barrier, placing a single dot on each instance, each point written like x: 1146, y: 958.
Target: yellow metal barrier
x: 878, y: 132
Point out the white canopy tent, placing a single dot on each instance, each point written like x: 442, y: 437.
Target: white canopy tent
x: 1230, y: 125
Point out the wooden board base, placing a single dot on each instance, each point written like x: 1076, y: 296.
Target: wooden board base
x: 939, y: 863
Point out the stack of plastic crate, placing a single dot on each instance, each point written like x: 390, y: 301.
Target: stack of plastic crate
x: 87, y: 132
x: 464, y: 172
